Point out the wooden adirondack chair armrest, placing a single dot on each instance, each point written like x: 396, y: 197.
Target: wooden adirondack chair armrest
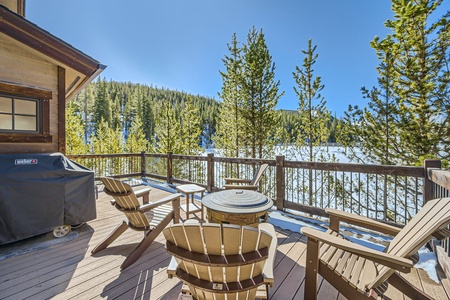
x: 441, y: 234
x: 240, y: 187
x: 236, y: 180
x: 338, y: 215
x: 172, y: 268
x: 152, y: 205
x: 142, y: 192
x: 394, y: 262
x: 268, y: 266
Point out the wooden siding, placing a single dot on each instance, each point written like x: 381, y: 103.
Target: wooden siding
x: 68, y: 271
x: 19, y: 65
x: 17, y: 6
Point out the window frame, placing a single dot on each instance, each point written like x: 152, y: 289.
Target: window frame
x: 42, y: 135
x: 14, y: 114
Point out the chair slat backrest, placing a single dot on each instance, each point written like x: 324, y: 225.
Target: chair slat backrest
x: 125, y: 198
x: 258, y: 175
x: 213, y: 238
x: 435, y: 214
x: 224, y: 259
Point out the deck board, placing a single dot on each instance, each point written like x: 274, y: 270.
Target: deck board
x: 69, y: 271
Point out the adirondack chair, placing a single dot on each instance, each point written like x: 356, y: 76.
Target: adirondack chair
x: 150, y: 217
x: 222, y: 261
x: 363, y: 273
x: 247, y: 184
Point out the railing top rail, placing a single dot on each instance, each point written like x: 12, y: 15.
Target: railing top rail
x: 159, y: 155
x: 440, y: 177
x: 248, y: 161
x: 103, y: 155
x: 358, y: 168
x: 189, y: 157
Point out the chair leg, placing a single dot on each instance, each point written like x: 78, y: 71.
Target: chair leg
x: 146, y: 242
x: 111, y: 238
x: 407, y: 288
x: 312, y: 267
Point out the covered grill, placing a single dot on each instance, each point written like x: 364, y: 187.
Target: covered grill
x: 39, y: 192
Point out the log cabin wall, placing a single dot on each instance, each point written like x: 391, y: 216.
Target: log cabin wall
x: 17, y: 6
x: 39, y: 74
x: 24, y: 67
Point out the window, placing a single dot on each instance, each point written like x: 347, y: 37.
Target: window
x: 24, y: 114
x: 19, y: 115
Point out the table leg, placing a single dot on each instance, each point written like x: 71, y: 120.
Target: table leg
x: 201, y: 205
x: 187, y: 205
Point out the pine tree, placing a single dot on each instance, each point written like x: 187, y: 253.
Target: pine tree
x: 167, y: 131
x: 190, y: 129
x: 408, y: 115
x: 102, y: 105
x: 116, y: 112
x: 74, y: 132
x: 85, y: 100
x: 136, y: 141
x: 148, y: 118
x: 313, y: 127
x: 107, y: 140
x: 229, y: 127
x: 260, y: 96
x: 314, y: 117
x: 375, y: 126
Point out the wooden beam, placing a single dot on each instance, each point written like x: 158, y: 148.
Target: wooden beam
x: 62, y: 110
x: 280, y: 181
x: 428, y: 185
x: 21, y: 7
x: 22, y: 90
x: 210, y: 172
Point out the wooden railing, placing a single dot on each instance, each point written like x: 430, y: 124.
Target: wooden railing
x: 388, y: 193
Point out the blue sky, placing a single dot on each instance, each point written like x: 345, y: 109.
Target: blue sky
x: 179, y: 44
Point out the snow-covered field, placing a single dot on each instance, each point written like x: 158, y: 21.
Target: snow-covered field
x: 291, y: 154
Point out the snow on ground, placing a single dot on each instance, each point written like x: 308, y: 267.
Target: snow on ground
x: 427, y: 259
x: 428, y: 262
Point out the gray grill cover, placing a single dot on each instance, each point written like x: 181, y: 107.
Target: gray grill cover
x: 39, y: 192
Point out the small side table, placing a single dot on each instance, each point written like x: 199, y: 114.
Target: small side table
x: 191, y: 207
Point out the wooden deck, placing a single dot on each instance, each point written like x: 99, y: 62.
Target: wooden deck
x: 68, y: 271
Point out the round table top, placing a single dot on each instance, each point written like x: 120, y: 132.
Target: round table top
x: 237, y: 201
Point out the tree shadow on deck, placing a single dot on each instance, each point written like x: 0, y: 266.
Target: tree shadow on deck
x: 145, y: 279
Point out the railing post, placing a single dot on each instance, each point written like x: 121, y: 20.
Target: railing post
x: 169, y: 167
x: 210, y: 172
x: 143, y: 164
x: 428, y: 185
x: 280, y: 182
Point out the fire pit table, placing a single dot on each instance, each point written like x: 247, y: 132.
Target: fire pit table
x: 240, y: 207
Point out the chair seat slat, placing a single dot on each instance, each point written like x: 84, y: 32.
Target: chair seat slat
x: 222, y: 287
x: 215, y: 260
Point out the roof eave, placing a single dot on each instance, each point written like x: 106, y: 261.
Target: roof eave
x: 44, y: 42
x: 84, y: 83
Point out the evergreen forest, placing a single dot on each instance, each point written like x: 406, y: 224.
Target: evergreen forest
x: 117, y: 105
